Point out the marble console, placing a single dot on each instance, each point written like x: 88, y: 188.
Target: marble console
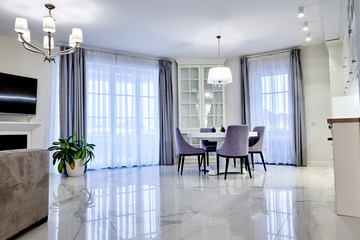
x: 24, y: 190
x: 346, y: 147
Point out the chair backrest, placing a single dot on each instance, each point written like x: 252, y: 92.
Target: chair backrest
x: 260, y: 132
x: 182, y: 146
x: 205, y: 129
x: 236, y: 142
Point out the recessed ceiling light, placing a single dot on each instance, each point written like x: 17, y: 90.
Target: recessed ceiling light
x: 301, y: 12
x: 306, y: 27
x: 308, y: 37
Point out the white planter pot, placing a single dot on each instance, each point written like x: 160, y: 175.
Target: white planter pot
x: 78, y: 169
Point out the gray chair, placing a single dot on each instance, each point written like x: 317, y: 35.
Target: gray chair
x: 256, y: 144
x: 236, y: 145
x: 185, y: 149
x: 208, y: 146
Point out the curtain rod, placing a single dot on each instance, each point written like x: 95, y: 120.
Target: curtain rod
x: 269, y: 53
x: 118, y: 52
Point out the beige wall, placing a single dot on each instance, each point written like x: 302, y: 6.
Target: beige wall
x: 14, y: 59
x: 315, y: 66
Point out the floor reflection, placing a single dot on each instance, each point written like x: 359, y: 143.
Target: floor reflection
x: 91, y: 209
x: 158, y: 203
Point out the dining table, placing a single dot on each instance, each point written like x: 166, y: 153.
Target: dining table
x: 219, y: 138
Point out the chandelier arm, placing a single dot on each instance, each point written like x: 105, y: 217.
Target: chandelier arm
x: 30, y: 47
x: 70, y: 50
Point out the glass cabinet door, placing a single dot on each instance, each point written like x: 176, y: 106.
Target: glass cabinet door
x: 200, y: 104
x: 189, y: 97
x: 213, y: 103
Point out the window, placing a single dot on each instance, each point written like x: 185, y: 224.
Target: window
x: 271, y: 105
x: 122, y: 110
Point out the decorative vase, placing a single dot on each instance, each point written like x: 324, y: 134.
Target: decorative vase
x: 78, y: 169
x: 213, y: 129
x: 222, y: 129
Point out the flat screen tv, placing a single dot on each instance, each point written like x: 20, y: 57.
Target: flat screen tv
x: 17, y: 94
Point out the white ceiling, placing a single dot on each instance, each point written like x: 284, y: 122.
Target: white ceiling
x: 184, y: 28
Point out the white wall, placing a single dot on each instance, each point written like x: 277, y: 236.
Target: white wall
x: 232, y: 94
x: 315, y: 66
x: 14, y: 59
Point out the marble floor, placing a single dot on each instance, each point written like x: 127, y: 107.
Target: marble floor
x: 156, y: 203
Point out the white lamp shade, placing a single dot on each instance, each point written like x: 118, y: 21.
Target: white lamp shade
x: 21, y: 25
x: 77, y: 35
x: 219, y: 75
x: 49, y: 24
x: 26, y: 36
x: 72, y: 43
x: 46, y: 42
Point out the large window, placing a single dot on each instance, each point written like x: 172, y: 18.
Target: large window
x: 122, y: 110
x: 271, y: 105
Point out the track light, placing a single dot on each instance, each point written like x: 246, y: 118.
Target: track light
x: 308, y: 37
x: 306, y: 27
x: 301, y: 12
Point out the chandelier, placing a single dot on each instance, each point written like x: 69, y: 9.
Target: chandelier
x: 21, y: 27
x: 219, y: 75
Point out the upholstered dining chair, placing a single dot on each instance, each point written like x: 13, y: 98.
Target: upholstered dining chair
x: 185, y: 149
x: 256, y: 144
x: 208, y: 146
x: 236, y: 145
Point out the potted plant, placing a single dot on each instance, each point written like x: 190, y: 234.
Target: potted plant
x: 72, y: 155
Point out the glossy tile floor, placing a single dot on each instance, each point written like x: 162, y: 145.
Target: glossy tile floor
x: 156, y: 203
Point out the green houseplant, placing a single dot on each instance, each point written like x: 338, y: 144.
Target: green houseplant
x: 69, y: 150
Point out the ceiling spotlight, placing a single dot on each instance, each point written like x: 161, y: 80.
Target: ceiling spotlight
x: 306, y: 27
x: 301, y: 12
x: 308, y: 37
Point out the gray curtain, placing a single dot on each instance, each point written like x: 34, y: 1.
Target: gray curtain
x: 166, y: 113
x: 299, y: 109
x: 244, y: 91
x: 72, y: 94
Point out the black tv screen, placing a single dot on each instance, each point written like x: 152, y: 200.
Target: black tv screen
x: 17, y: 94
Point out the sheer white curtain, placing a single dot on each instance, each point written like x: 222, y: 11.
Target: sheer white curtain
x: 122, y: 110
x: 271, y: 105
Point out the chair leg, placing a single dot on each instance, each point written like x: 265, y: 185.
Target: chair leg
x: 203, y: 156
x: 179, y: 162
x: 247, y: 163
x: 234, y: 162
x: 199, y: 163
x: 182, y: 165
x: 262, y: 159
x: 217, y: 164
x: 252, y: 159
x: 226, y: 168
x: 241, y: 165
x: 207, y: 156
